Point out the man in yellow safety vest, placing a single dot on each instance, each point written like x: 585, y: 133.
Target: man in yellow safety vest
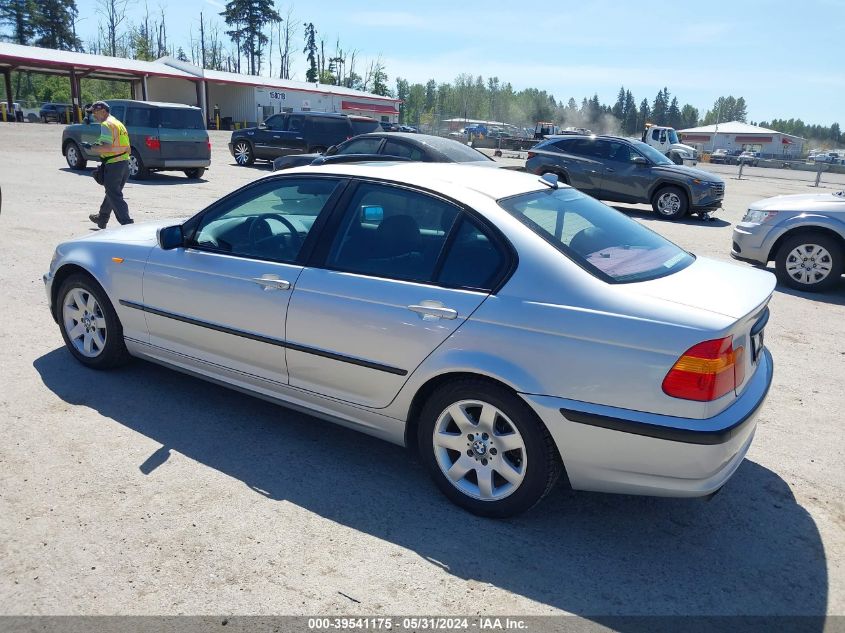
x: 113, y: 148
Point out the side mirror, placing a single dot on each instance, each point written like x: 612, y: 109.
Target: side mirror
x: 331, y: 151
x: 639, y: 160
x: 262, y: 126
x: 372, y: 213
x: 170, y: 237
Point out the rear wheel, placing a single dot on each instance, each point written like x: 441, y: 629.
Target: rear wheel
x: 486, y: 449
x: 809, y: 261
x: 243, y: 153
x: 670, y: 203
x: 74, y: 156
x: 90, y: 327
x: 195, y: 173
x: 137, y: 170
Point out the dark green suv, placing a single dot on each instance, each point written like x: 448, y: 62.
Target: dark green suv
x: 163, y: 136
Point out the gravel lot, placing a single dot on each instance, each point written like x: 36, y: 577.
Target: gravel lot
x: 143, y: 491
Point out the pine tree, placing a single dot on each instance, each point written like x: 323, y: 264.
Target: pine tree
x: 660, y: 108
x: 673, y: 116
x: 53, y: 24
x: 643, y: 116
x: 310, y: 51
x: 20, y: 15
x: 619, y: 107
x: 630, y: 123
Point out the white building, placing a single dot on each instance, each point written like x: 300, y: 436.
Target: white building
x: 734, y: 135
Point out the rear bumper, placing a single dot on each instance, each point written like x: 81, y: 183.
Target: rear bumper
x: 186, y: 163
x: 617, y: 450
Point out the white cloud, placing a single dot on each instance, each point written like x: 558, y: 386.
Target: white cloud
x: 388, y: 19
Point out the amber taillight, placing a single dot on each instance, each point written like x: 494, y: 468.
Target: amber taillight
x: 706, y: 371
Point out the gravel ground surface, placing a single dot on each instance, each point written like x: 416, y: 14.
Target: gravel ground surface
x: 143, y: 491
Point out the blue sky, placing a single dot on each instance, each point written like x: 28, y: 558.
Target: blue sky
x: 784, y: 57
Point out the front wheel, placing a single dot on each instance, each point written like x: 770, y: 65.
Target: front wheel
x: 670, y: 203
x: 74, y: 156
x: 486, y: 449
x: 195, y: 173
x: 811, y: 262
x: 90, y: 327
x: 137, y: 171
x: 243, y: 153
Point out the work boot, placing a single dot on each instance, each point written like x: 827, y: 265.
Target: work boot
x: 95, y: 218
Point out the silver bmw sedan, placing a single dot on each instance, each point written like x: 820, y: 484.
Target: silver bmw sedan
x: 506, y: 327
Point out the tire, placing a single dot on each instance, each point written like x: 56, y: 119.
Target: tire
x: 532, y: 465
x: 137, y: 171
x: 44, y: 119
x: 670, y: 203
x: 242, y: 150
x: 90, y: 327
x: 195, y: 173
x: 74, y: 156
x: 811, y: 262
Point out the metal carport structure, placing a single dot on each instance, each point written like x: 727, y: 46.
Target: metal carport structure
x: 78, y: 66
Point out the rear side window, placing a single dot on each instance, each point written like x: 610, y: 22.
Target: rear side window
x: 561, y: 146
x: 600, y: 239
x: 180, y: 119
x: 140, y: 117
x: 403, y: 150
x: 364, y: 126
x: 330, y: 127
x: 368, y: 145
x: 473, y: 260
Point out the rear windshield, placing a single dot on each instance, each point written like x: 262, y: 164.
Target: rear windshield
x: 455, y: 151
x: 180, y: 119
x: 364, y: 126
x: 603, y: 241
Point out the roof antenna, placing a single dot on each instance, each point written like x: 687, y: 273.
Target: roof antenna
x: 549, y: 179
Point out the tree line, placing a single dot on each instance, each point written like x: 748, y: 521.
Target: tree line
x: 256, y: 33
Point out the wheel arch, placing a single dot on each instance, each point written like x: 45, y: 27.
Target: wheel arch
x: 662, y: 183
x: 63, y: 272
x: 425, y: 391
x: 806, y: 228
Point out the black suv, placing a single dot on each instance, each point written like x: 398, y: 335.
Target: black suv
x: 296, y: 133
x: 58, y: 112
x: 625, y: 170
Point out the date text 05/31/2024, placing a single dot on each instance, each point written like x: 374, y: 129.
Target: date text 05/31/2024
x: 416, y: 624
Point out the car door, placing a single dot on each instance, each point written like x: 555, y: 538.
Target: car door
x: 220, y: 301
x: 583, y: 165
x: 286, y: 138
x: 372, y: 307
x: 393, y: 147
x: 267, y: 140
x: 623, y: 180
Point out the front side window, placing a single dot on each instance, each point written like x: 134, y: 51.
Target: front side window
x: 118, y: 112
x: 652, y: 154
x: 600, y: 239
x: 392, y: 232
x: 275, y: 123
x: 270, y: 223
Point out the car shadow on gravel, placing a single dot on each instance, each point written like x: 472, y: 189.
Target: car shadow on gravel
x: 751, y: 550
x: 693, y: 220
x: 155, y: 178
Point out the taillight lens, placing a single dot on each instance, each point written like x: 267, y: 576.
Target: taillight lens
x: 209, y: 144
x: 706, y: 371
x: 531, y: 155
x: 152, y: 142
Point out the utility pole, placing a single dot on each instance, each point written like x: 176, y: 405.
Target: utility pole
x: 202, y: 40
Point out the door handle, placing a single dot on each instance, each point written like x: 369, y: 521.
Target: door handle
x: 272, y: 283
x: 437, y: 311
x: 611, y: 170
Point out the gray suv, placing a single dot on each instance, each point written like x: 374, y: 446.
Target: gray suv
x: 163, y: 136
x: 622, y: 170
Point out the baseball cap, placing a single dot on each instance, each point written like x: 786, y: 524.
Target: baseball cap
x: 99, y: 105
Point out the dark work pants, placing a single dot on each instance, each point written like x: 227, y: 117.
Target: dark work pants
x: 114, y: 179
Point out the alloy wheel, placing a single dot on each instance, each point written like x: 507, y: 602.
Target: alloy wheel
x: 84, y: 322
x: 242, y: 153
x: 72, y: 156
x: 668, y: 203
x: 134, y: 167
x: 809, y: 264
x: 479, y: 450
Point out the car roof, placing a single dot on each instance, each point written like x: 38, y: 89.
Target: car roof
x: 152, y: 104
x: 490, y: 182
